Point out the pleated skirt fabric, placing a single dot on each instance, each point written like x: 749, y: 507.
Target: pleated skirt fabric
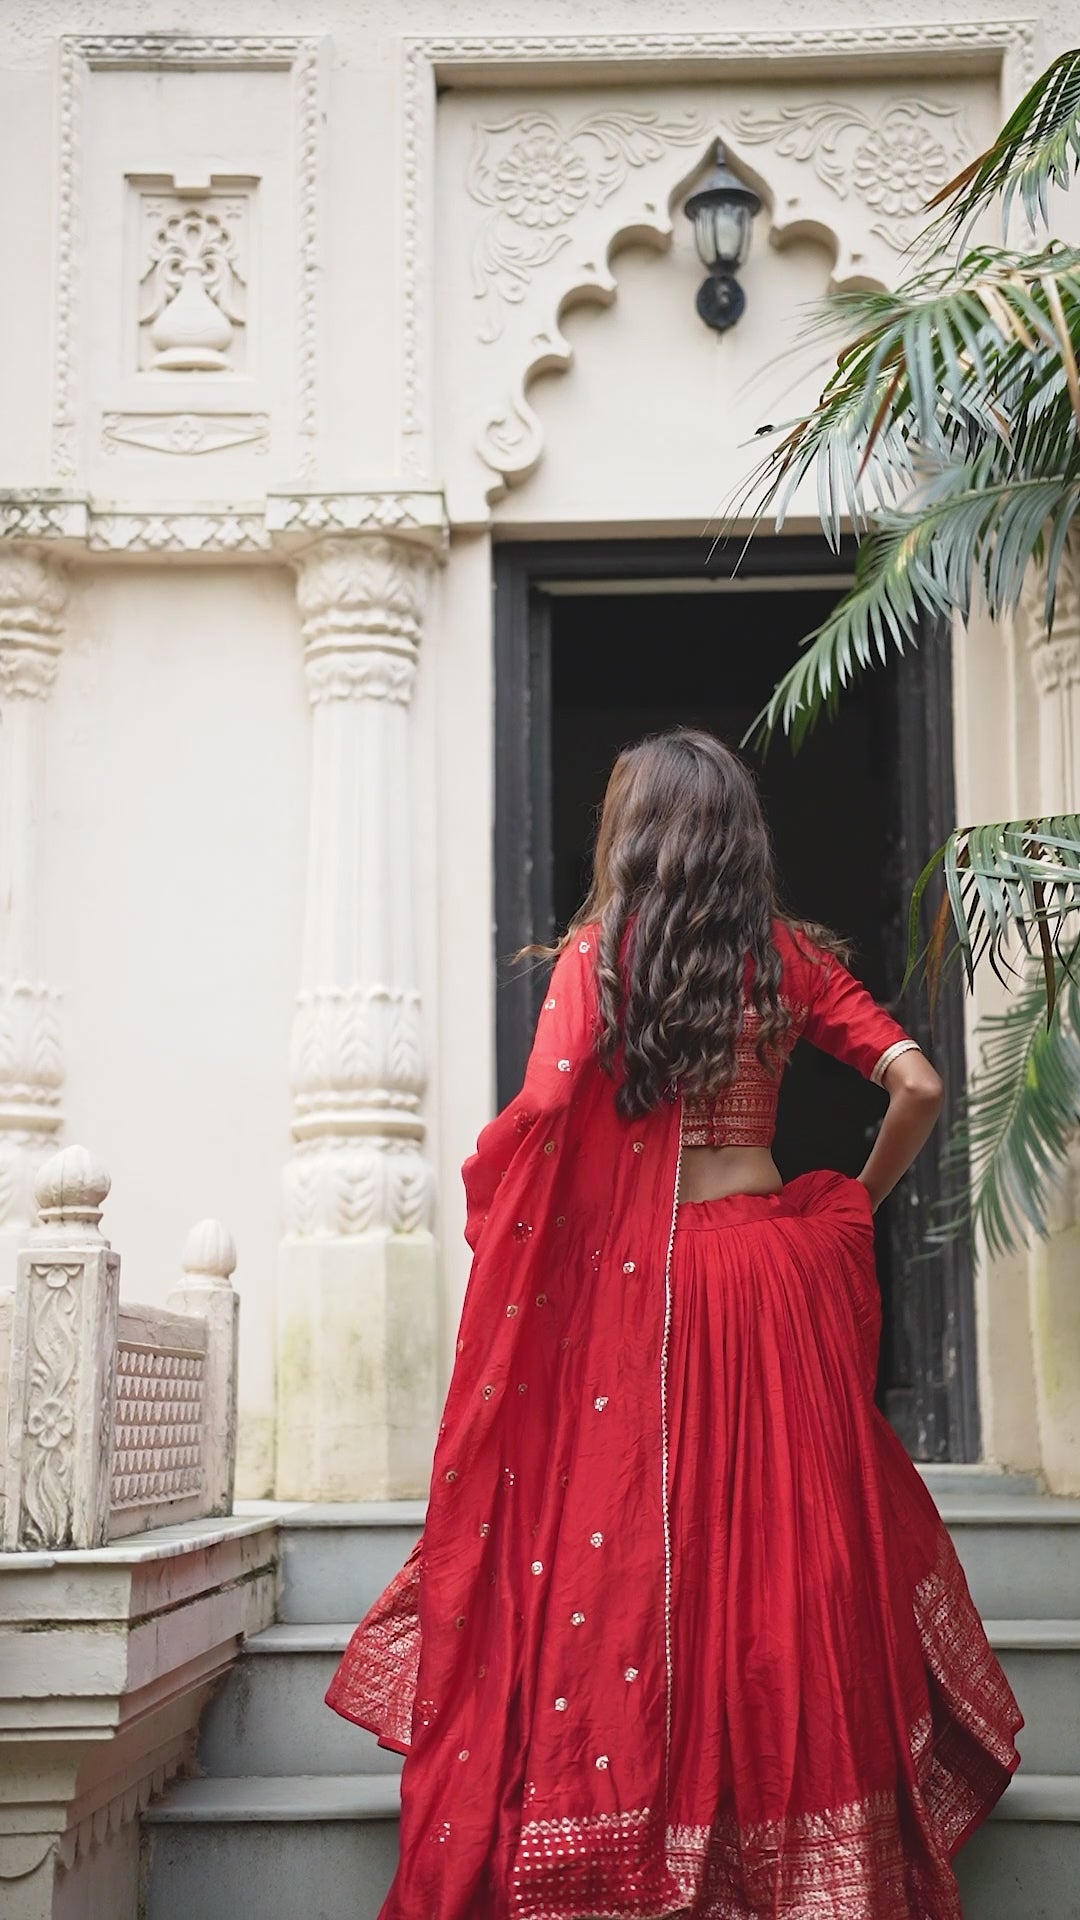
x: 839, y: 1723
x: 831, y: 1722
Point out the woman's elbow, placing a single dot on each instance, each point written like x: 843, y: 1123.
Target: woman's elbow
x: 913, y: 1076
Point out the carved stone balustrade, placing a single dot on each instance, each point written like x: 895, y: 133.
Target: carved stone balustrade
x: 118, y: 1418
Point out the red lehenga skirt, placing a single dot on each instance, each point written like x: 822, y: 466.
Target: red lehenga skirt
x: 825, y: 1719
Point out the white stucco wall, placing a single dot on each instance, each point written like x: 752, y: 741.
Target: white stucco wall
x: 179, y: 727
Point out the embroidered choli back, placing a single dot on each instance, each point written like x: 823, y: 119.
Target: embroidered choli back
x: 828, y: 1007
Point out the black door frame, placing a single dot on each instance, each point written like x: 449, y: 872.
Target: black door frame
x: 940, y: 1417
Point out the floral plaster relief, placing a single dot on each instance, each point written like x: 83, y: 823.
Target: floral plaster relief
x: 554, y: 184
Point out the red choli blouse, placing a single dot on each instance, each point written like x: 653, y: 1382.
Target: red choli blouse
x: 828, y: 1007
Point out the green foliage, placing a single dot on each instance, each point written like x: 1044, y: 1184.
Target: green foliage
x: 1006, y: 1155
x: 947, y: 440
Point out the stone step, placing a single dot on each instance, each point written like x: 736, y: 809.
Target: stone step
x: 269, y: 1715
x: 325, y: 1848
x: 1024, y: 1864
x: 1021, y: 1553
x: 335, y: 1560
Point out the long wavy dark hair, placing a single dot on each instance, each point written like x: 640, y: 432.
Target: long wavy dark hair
x: 684, y: 894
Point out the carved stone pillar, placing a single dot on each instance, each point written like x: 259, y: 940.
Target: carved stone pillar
x: 31, y: 1074
x: 357, y: 1306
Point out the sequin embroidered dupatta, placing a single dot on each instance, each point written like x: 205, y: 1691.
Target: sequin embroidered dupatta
x: 540, y: 1721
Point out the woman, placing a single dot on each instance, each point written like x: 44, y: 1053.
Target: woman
x: 685, y: 1634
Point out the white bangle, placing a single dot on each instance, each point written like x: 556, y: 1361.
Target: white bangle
x: 890, y: 1054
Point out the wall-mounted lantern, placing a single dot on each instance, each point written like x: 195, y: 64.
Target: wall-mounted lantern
x: 722, y: 211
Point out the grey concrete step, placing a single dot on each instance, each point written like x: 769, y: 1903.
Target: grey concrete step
x: 284, y: 1849
x: 335, y: 1560
x: 269, y: 1716
x: 1024, y: 1864
x: 325, y: 1849
x: 1021, y: 1553
x: 1042, y: 1661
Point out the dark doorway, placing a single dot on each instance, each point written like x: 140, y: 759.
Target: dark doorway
x: 585, y: 665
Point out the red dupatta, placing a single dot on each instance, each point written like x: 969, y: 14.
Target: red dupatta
x: 544, y: 1573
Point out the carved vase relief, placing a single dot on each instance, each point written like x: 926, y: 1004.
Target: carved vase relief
x: 193, y: 285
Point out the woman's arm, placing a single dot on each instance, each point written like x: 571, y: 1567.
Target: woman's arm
x: 915, y: 1095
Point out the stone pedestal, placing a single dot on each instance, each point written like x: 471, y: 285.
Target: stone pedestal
x: 357, y: 1332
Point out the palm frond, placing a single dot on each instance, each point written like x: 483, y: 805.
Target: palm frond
x: 945, y: 366
x: 1010, y: 883
x: 1008, y: 1149
x: 964, y: 537
x: 1037, y: 148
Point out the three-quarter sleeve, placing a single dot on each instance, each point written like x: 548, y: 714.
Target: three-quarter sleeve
x: 846, y: 1021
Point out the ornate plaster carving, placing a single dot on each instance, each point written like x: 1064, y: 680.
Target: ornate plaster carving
x: 80, y: 53
x: 36, y: 516
x: 159, y: 1424
x: 49, y: 1421
x: 185, y: 433
x: 32, y: 597
x: 351, y: 592
x: 193, y: 283
x: 179, y: 531
x: 880, y: 50
x: 287, y: 521
x: 535, y: 177
x: 357, y: 1058
x: 894, y: 161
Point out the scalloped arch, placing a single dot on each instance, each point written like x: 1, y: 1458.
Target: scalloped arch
x: 511, y: 440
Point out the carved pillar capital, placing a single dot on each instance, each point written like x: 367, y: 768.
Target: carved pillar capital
x: 32, y: 597
x: 361, y: 602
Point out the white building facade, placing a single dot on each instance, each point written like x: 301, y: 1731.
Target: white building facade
x: 324, y: 324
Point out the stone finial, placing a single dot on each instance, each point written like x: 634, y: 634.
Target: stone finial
x: 210, y: 1253
x: 71, y: 1188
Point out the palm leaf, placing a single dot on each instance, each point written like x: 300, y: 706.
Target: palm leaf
x: 967, y: 536
x: 1014, y: 882
x: 1007, y: 1151
x: 1037, y: 148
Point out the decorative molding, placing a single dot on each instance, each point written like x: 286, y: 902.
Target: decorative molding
x: 540, y: 176
x: 350, y: 1040
x: 882, y: 51
x: 894, y: 160
x: 31, y: 1081
x: 41, y: 516
x: 185, y: 433
x: 401, y: 513
x: 82, y: 53
x: 178, y: 531
x: 346, y: 1188
x: 285, y: 523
